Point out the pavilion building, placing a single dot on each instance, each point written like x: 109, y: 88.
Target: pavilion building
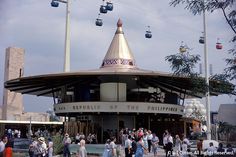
x: 117, y: 95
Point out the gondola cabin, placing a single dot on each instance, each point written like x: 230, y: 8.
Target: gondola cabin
x: 103, y: 9
x: 219, y: 46
x: 201, y: 40
x: 99, y: 22
x: 182, y: 49
x: 54, y: 4
x: 109, y: 6
x: 148, y: 34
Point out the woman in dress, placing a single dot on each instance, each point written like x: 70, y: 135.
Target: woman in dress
x: 113, y: 148
x: 106, y: 149
x: 177, y: 147
x: 140, y: 147
x: 145, y: 142
x: 82, y: 150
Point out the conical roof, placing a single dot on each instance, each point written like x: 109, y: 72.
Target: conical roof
x: 119, y: 54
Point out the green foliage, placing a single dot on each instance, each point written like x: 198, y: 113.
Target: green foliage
x: 230, y: 71
x: 228, y: 9
x: 183, y: 63
x: 220, y: 84
x: 57, y: 144
x: 226, y: 129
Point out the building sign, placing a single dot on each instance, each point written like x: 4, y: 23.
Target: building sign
x: 118, y: 107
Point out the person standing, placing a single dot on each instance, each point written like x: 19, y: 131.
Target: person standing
x: 211, y: 149
x: 169, y: 146
x: 199, y: 148
x: 3, y: 142
x: 40, y: 149
x: 82, y: 150
x: 140, y: 147
x: 145, y: 142
x: 128, y: 147
x: 8, y: 147
x: 106, y: 148
x: 113, y: 148
x: 50, y: 147
x: 177, y: 147
x: 134, y: 146
x: 165, y: 142
x: 149, y: 139
x: 155, y: 142
x: 66, y: 143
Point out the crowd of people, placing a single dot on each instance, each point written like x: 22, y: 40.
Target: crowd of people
x: 135, y: 143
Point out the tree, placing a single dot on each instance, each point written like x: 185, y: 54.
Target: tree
x: 226, y: 129
x: 183, y: 64
x: 198, y: 6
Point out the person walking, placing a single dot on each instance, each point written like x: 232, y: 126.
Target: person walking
x: 82, y: 150
x: 50, y: 147
x: 140, y: 147
x: 113, y: 147
x: 155, y: 142
x: 66, y: 143
x: 165, y: 135
x: 128, y: 147
x: 177, y: 147
x: 149, y: 139
x: 169, y: 147
x: 106, y: 148
x: 134, y: 146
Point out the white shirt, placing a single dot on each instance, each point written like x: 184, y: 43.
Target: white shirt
x: 211, y: 150
x: 186, y: 141
x: 165, y: 140
x: 170, y: 139
x: 149, y: 136
x: 2, y: 146
x: 128, y: 143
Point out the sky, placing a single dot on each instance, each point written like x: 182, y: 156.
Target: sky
x: 40, y: 29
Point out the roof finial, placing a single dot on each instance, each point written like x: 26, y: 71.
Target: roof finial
x: 119, y: 23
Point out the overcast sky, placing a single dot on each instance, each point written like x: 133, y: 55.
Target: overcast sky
x: 40, y: 29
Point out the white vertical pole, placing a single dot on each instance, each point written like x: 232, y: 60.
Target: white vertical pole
x: 67, y: 39
x: 208, y: 105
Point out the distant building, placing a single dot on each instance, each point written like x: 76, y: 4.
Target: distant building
x: 227, y: 113
x: 13, y: 108
x: 14, y: 66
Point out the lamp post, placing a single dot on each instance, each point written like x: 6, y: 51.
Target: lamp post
x: 208, y: 107
x: 55, y: 3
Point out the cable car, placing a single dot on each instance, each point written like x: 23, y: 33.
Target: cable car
x: 148, y: 33
x: 103, y: 8
x: 201, y: 40
x: 219, y: 46
x: 54, y: 3
x: 109, y: 6
x: 182, y: 48
x: 98, y: 21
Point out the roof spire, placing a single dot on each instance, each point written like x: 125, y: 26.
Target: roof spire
x: 119, y: 54
x: 119, y: 23
x: 119, y: 27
